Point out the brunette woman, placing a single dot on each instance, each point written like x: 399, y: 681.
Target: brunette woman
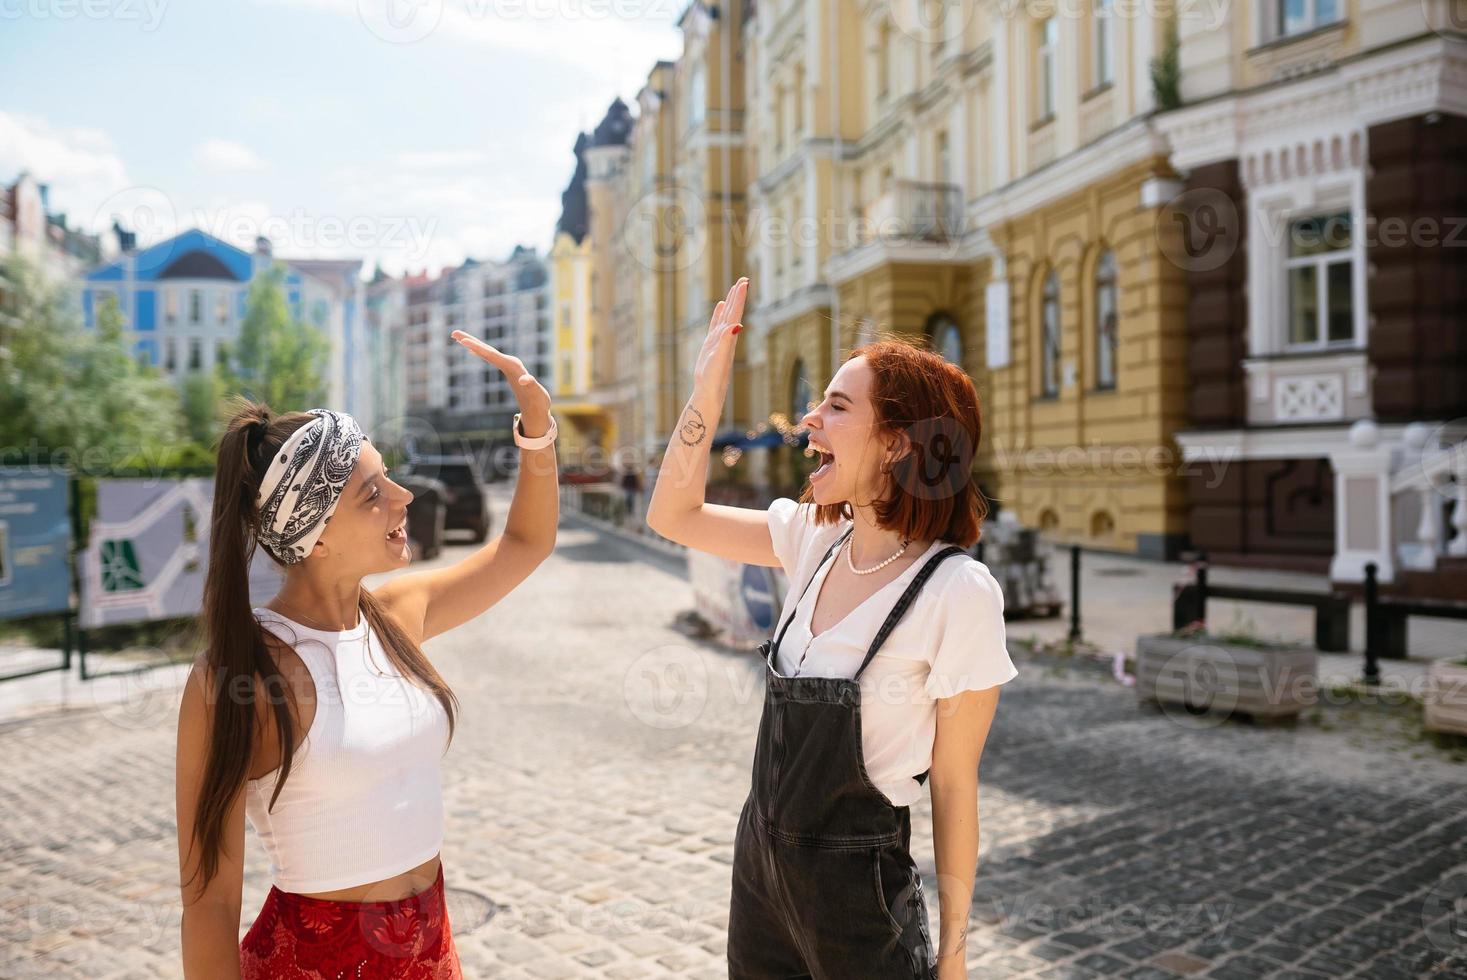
x: 884, y: 674
x: 317, y: 717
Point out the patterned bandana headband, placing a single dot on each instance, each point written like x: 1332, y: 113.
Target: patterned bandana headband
x: 304, y: 483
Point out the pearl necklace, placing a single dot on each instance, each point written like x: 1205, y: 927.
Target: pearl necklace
x: 851, y: 562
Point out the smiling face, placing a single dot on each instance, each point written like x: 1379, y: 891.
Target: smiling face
x: 843, y: 429
x: 368, y: 530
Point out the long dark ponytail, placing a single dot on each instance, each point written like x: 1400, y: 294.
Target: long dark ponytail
x: 241, y: 667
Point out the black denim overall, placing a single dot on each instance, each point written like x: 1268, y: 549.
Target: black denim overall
x: 823, y: 883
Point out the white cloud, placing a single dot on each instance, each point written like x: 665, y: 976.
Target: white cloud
x: 227, y: 156
x: 81, y: 166
x: 438, y: 159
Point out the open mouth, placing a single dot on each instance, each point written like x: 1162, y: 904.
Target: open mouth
x: 827, y: 462
x: 398, y: 534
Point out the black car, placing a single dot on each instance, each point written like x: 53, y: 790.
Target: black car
x: 461, y: 476
x: 426, y: 515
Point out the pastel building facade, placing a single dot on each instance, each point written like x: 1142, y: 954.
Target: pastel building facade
x: 182, y: 302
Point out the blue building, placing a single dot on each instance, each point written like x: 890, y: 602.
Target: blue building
x: 182, y: 300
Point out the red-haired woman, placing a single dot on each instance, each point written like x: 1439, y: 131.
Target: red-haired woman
x: 351, y: 814
x: 884, y: 674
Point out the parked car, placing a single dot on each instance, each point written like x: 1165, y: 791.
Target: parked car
x: 426, y: 515
x: 463, y: 481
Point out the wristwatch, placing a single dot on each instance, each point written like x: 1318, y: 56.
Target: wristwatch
x: 539, y: 442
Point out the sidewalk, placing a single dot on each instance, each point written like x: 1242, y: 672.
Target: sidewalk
x: 1122, y: 597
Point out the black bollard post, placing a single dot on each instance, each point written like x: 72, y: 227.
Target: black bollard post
x: 1202, y: 589
x: 1074, y: 593
x: 1372, y: 623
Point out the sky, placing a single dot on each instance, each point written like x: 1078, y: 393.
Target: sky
x: 414, y: 133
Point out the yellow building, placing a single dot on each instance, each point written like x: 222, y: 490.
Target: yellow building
x: 984, y: 180
x: 645, y: 303
x: 705, y: 200
x: 580, y: 422
x: 1087, y: 371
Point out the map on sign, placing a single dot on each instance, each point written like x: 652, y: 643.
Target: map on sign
x: 149, y: 550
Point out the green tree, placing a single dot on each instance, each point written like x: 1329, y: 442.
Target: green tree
x: 69, y: 391
x: 278, y: 360
x: 201, y: 399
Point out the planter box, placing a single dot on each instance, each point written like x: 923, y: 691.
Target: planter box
x: 1446, y: 698
x: 1273, y: 683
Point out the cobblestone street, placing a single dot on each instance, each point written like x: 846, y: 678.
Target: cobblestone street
x: 602, y: 757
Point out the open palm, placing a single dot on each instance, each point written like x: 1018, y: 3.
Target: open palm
x: 715, y: 360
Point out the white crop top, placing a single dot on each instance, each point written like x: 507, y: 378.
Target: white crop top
x: 951, y: 640
x: 364, y: 799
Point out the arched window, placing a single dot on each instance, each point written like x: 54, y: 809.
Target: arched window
x: 1049, y: 367
x: 946, y: 338
x: 1106, y: 321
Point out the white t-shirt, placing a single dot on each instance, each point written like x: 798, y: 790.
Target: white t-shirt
x: 950, y: 640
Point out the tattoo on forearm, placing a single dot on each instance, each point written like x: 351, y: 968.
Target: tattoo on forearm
x: 693, y: 430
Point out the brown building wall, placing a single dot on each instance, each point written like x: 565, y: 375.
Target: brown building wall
x: 1217, y: 305
x: 1416, y: 196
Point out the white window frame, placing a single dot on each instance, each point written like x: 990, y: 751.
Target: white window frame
x: 1103, y: 50
x: 1107, y: 277
x: 1310, y: 22
x: 1270, y: 213
x: 1046, y: 56
x: 195, y: 307
x: 1321, y: 264
x: 1051, y: 341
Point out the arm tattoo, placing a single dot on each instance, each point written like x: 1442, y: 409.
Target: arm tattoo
x: 693, y: 430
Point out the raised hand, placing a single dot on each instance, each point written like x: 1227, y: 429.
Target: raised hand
x: 715, y: 360
x: 533, y: 399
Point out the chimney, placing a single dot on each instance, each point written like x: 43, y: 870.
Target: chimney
x: 263, y: 247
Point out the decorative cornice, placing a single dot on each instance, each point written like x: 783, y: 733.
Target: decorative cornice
x: 1425, y: 75
x: 1129, y: 144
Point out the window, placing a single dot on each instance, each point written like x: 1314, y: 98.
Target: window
x: 883, y: 62
x: 195, y: 306
x: 944, y: 159
x: 1320, y: 281
x: 170, y: 306
x: 1049, y: 366
x: 697, y: 96
x: 802, y: 394
x: 947, y: 340
x: 1104, y: 53
x: 1106, y: 322
x: 170, y: 355
x: 195, y: 354
x: 1301, y: 16
x: 1048, y: 66
x: 221, y: 308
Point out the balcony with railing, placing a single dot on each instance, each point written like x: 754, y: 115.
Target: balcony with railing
x: 914, y: 212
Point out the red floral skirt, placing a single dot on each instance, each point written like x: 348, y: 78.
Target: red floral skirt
x: 300, y: 938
